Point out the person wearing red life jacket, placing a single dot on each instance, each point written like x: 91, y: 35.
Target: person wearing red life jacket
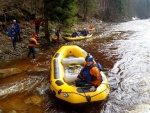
x: 32, y: 43
x: 89, y: 75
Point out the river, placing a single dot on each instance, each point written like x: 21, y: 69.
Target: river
x: 122, y: 49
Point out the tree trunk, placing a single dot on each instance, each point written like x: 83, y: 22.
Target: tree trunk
x: 85, y: 10
x: 46, y: 21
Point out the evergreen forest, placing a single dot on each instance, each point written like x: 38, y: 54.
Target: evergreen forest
x: 67, y: 12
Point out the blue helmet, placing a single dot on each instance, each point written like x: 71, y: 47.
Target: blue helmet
x: 89, y: 58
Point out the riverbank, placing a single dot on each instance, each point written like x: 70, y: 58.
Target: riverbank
x: 6, y: 50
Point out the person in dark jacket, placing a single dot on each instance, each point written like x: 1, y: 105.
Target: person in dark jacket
x: 89, y: 75
x: 17, y: 27
x: 75, y: 33
x: 85, y: 32
x: 32, y: 43
x: 12, y: 33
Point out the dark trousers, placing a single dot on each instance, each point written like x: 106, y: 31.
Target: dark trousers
x: 81, y: 83
x: 37, y: 28
x: 14, y: 42
x: 31, y: 50
x: 18, y: 36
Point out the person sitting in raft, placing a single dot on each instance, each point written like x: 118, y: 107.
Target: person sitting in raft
x: 85, y: 32
x: 75, y: 34
x: 89, y: 75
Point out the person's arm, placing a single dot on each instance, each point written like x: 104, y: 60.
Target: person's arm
x: 95, y: 72
x: 88, y: 31
x: 96, y: 78
x: 9, y: 32
x: 77, y: 34
x: 35, y: 41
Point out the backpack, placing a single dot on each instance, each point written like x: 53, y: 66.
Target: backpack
x: 100, y: 69
x: 99, y: 66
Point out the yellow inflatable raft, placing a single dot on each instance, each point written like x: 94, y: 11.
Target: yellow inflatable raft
x: 65, y: 66
x: 70, y: 38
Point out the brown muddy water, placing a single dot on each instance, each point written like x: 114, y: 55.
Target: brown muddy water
x: 124, y: 52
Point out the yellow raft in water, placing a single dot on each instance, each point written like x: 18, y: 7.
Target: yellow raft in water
x: 70, y: 38
x: 65, y: 66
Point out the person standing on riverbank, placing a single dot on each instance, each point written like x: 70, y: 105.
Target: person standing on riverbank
x: 17, y: 27
x: 32, y: 43
x: 57, y: 33
x: 37, y: 23
x: 13, y: 35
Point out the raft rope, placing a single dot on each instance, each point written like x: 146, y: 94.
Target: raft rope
x: 83, y: 91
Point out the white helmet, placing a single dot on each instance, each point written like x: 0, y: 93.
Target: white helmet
x: 14, y: 21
